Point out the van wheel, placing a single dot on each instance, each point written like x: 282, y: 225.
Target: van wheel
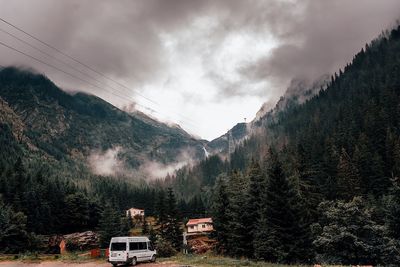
x: 153, y: 258
x: 133, y: 262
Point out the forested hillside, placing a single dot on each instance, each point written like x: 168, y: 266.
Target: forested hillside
x: 72, y: 126
x: 321, y: 182
x: 46, y: 138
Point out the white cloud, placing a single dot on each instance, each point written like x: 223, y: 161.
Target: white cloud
x: 106, y: 162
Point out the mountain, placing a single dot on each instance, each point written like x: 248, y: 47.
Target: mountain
x: 352, y: 115
x: 297, y: 93
x: 230, y: 139
x: 320, y: 181
x: 86, y: 129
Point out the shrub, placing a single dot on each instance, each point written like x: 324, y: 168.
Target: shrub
x: 165, y: 248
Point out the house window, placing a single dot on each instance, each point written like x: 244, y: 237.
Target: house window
x: 203, y: 226
x: 191, y: 227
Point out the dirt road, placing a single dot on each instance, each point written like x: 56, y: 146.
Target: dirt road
x: 86, y: 264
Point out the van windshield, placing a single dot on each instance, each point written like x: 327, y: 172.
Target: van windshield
x: 118, y: 246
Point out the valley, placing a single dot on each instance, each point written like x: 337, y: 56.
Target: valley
x: 313, y: 178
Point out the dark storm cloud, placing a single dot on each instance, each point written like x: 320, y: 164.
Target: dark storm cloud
x: 323, y: 38
x: 122, y: 38
x: 119, y: 38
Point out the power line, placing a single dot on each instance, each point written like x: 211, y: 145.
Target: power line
x: 49, y: 55
x: 77, y: 77
x: 66, y: 55
x: 55, y: 58
x: 69, y: 74
x: 83, y: 64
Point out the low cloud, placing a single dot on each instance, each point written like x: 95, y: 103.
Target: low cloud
x: 107, y: 162
x: 156, y: 170
x: 110, y: 163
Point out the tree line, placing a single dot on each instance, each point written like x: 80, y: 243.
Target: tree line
x: 36, y: 201
x: 266, y: 213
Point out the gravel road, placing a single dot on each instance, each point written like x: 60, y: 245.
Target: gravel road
x: 86, y: 264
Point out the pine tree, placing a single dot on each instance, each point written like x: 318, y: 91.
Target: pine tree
x: 129, y: 220
x: 110, y: 225
x: 348, y: 234
x: 309, y: 186
x: 261, y: 245
x: 220, y: 211
x: 173, y: 230
x: 126, y: 225
x: 253, y: 206
x: 284, y: 235
x: 152, y: 235
x: 348, y: 180
x: 237, y: 244
x: 76, y: 212
x: 13, y: 235
x: 161, y: 213
x: 145, y: 226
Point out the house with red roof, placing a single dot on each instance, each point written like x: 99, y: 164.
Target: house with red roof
x: 199, y: 225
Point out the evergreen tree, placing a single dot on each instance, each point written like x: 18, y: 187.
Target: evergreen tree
x: 110, y: 225
x: 260, y: 243
x: 161, y: 213
x: 173, y: 230
x: 253, y: 205
x: 145, y: 226
x: 349, y: 181
x: 237, y: 244
x: 129, y: 220
x: 283, y: 222
x: 220, y: 211
x: 126, y: 225
x: 348, y: 234
x: 13, y: 235
x: 76, y: 212
x: 152, y: 235
x: 309, y: 186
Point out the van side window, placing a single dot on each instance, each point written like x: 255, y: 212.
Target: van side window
x: 142, y: 245
x: 133, y: 246
x: 118, y: 246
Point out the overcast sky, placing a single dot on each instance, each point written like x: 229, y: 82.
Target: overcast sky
x: 205, y: 65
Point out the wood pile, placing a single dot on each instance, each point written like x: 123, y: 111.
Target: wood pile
x: 201, y: 244
x: 81, y: 241
x: 71, y: 242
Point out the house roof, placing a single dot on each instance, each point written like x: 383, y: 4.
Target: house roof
x: 197, y: 221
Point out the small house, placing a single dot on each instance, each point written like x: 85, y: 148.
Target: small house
x: 135, y: 212
x: 199, y: 225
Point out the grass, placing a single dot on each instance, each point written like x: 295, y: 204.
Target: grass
x: 192, y: 260
x: 208, y: 260
x: 32, y: 257
x: 212, y: 260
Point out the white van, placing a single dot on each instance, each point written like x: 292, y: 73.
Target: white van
x: 130, y: 250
